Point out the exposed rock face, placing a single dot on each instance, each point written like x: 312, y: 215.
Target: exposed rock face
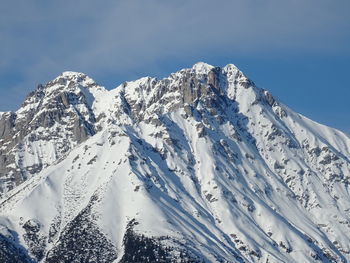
x: 207, y: 86
x: 52, y: 120
x: 34, y: 240
x: 201, y: 166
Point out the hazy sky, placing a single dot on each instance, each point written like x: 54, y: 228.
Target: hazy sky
x: 297, y: 49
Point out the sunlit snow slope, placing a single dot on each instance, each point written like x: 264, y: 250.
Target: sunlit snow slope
x: 202, y: 166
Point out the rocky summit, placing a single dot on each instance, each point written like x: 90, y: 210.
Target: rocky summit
x: 201, y: 166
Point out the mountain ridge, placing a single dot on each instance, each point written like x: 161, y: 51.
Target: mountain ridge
x: 200, y: 166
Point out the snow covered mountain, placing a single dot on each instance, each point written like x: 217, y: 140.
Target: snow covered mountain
x: 201, y: 166
x: 53, y: 119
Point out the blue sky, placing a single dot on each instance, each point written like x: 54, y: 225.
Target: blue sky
x: 299, y: 50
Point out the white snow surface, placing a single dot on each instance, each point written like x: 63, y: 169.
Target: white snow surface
x: 244, y: 178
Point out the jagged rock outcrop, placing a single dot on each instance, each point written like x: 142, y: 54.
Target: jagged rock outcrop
x: 201, y: 166
x: 51, y: 121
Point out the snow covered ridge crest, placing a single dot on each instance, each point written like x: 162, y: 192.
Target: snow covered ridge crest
x: 72, y: 107
x: 201, y: 166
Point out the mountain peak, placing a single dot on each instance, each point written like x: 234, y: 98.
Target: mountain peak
x: 202, y: 67
x: 230, y: 66
x: 200, y: 166
x: 68, y: 78
x: 72, y: 74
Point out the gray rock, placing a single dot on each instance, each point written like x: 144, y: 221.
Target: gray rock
x: 43, y: 110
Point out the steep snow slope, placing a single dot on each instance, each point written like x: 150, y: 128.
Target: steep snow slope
x: 199, y: 166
